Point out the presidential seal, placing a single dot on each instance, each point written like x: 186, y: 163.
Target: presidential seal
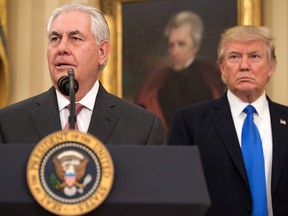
x: 70, y: 173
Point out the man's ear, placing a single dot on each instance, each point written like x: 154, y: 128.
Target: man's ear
x: 221, y: 67
x: 272, y: 68
x: 104, y: 51
x: 222, y: 71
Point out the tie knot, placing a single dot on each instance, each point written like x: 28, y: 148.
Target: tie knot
x: 249, y: 109
x: 78, y: 108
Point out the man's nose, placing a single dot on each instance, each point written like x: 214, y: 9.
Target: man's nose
x: 174, y: 51
x: 63, y: 48
x: 244, y: 64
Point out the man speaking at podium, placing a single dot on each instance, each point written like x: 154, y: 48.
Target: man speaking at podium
x: 78, y: 39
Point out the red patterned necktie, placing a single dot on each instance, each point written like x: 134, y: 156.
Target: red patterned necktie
x: 78, y: 108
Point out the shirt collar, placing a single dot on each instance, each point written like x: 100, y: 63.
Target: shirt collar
x: 189, y: 62
x: 237, y: 105
x: 88, y: 100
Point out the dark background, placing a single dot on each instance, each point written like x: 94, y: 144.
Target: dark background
x: 144, y: 47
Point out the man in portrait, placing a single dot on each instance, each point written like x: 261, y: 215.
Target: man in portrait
x: 186, y: 79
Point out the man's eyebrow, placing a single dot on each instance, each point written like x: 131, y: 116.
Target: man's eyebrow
x: 54, y: 33
x: 74, y: 32
x: 233, y: 52
x: 257, y: 51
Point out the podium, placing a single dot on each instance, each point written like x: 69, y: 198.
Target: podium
x: 149, y: 180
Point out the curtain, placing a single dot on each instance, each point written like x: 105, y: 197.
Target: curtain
x: 4, y: 88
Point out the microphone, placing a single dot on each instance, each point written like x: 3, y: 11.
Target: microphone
x: 64, y: 85
x: 69, y: 86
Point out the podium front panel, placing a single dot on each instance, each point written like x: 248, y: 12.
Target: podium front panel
x: 149, y: 180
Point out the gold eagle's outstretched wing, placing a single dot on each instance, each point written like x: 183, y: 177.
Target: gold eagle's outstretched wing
x: 81, y: 168
x: 58, y: 168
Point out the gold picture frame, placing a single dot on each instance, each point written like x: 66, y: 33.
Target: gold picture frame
x: 249, y: 12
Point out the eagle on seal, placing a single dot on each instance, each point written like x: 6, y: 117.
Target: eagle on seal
x: 70, y: 167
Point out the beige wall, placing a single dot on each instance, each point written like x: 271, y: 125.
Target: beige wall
x: 27, y: 42
x: 27, y: 46
x: 276, y: 17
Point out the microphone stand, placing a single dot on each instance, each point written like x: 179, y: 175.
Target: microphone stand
x: 72, y: 118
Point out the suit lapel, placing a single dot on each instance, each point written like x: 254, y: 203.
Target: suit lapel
x: 104, y: 116
x: 46, y: 114
x: 279, y: 124
x: 223, y: 121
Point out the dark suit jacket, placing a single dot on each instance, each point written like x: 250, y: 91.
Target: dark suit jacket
x: 114, y: 121
x: 166, y: 90
x: 210, y: 126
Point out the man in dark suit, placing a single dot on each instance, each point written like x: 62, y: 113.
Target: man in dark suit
x: 78, y: 38
x: 186, y: 79
x: 246, y: 57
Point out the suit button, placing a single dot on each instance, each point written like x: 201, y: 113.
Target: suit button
x: 248, y: 210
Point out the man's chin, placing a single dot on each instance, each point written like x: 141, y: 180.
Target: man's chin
x: 57, y: 74
x: 177, y: 67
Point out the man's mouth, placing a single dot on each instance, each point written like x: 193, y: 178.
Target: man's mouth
x: 65, y: 66
x: 245, y: 79
x: 62, y: 65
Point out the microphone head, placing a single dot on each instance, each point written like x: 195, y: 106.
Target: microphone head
x: 64, y: 87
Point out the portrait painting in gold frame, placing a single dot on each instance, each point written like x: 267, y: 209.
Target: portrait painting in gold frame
x: 241, y: 12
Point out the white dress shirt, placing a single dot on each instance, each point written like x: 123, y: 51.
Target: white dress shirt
x: 84, y: 117
x: 263, y: 122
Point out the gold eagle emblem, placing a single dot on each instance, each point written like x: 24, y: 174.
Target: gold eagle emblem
x: 70, y: 167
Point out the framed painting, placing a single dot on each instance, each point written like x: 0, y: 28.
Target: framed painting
x: 137, y: 34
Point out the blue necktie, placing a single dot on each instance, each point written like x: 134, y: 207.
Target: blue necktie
x: 254, y: 163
